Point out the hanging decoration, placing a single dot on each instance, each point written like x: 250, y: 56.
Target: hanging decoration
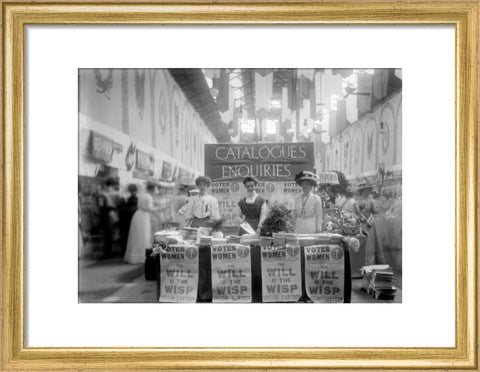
x: 104, y: 84
x: 130, y: 156
x: 162, y: 117
x: 140, y: 92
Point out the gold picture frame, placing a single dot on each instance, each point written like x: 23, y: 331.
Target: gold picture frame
x: 463, y: 15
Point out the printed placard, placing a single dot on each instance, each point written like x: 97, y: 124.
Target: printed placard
x: 273, y: 164
x: 281, y: 273
x: 179, y: 273
x: 325, y: 273
x: 231, y: 273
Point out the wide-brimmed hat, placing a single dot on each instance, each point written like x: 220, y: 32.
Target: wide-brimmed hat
x: 151, y: 184
x: 193, y: 191
x: 165, y: 184
x: 306, y: 176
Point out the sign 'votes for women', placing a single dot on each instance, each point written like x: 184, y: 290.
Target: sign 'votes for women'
x: 179, y: 273
x: 231, y: 273
x: 281, y: 273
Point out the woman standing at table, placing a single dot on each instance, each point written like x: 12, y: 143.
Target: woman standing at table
x: 252, y: 208
x: 202, y: 208
x: 308, y: 213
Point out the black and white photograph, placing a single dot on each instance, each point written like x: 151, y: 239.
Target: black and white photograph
x: 240, y: 185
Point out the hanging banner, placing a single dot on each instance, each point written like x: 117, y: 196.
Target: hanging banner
x: 144, y: 165
x: 231, y: 273
x: 273, y: 164
x: 101, y: 147
x: 265, y: 161
x: 281, y: 273
x: 179, y: 273
x: 166, y: 171
x: 325, y: 273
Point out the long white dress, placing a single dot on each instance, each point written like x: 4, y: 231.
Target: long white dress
x: 140, y: 234
x: 308, y: 214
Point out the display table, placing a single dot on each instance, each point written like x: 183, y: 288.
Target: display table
x: 204, y: 292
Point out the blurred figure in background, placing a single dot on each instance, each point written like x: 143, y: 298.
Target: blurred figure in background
x: 366, y: 204
x: 108, y: 202
x: 374, y: 247
x: 140, y: 236
x: 126, y: 212
x: 80, y: 233
x: 163, y: 203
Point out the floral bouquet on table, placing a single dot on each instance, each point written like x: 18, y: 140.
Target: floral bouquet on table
x: 332, y: 221
x: 350, y: 223
x: 344, y: 223
x: 340, y: 222
x: 278, y: 219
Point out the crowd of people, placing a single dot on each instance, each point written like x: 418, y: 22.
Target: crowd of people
x: 131, y: 218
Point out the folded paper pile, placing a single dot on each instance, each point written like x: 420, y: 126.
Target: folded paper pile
x: 189, y: 233
x: 378, y: 281
x: 168, y: 237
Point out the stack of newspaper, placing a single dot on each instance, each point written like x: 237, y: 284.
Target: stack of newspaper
x: 219, y: 241
x: 189, y: 233
x: 205, y: 240
x: 233, y: 239
x: 306, y: 239
x: 249, y: 239
x: 378, y: 281
x: 167, y: 237
x: 291, y: 239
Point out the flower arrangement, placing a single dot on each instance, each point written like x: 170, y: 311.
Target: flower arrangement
x: 340, y: 222
x: 278, y: 219
x: 216, y: 225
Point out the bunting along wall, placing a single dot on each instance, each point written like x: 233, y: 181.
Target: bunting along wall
x: 345, y: 154
x: 144, y: 110
x: 328, y: 157
x: 357, y: 151
x: 263, y: 95
x: 100, y: 95
x: 336, y: 155
x: 370, y: 139
x: 376, y: 138
x: 386, y: 129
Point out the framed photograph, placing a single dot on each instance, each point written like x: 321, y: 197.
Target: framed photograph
x: 353, y: 125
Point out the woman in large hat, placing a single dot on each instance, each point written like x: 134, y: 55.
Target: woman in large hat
x: 202, y: 208
x: 365, y: 204
x: 373, y: 245
x: 308, y: 206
